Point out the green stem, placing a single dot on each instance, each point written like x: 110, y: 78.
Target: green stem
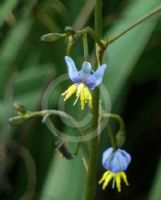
x: 69, y: 45
x: 31, y: 173
x: 118, y: 118
x: 19, y: 119
x: 93, y: 158
x: 139, y: 21
x: 94, y: 35
x: 111, y: 137
x: 85, y: 46
x: 120, y: 138
x: 98, y: 17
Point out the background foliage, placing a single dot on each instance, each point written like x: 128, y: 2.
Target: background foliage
x: 30, y: 165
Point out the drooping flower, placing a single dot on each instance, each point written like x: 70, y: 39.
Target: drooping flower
x: 84, y: 81
x: 115, y: 161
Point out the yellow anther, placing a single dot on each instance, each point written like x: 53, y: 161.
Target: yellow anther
x: 69, y: 92
x: 82, y: 93
x: 117, y: 176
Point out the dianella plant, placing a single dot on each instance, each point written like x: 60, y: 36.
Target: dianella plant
x: 72, y: 140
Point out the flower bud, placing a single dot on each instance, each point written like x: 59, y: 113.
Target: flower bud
x: 19, y: 107
x: 52, y: 37
x: 17, y: 120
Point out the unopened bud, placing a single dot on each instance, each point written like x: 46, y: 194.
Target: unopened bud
x: 69, y: 30
x: 51, y: 37
x: 17, y: 120
x: 19, y: 107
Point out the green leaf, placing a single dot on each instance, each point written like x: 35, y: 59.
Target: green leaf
x: 155, y: 192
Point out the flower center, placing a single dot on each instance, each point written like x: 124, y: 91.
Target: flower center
x: 84, y: 95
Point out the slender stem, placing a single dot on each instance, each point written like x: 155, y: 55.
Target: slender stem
x: 98, y: 17
x: 85, y: 46
x: 120, y: 138
x: 31, y: 173
x: 69, y: 45
x: 142, y: 19
x: 77, y: 149
x: 118, y: 118
x: 111, y: 137
x: 93, y: 158
x: 94, y: 35
x: 19, y: 119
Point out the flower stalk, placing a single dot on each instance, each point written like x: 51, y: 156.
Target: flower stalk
x: 139, y: 21
x: 94, y: 143
x: 85, y: 47
x: 120, y: 137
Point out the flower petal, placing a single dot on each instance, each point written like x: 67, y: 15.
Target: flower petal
x: 85, y: 72
x: 107, y: 158
x: 96, y: 78
x: 115, y: 160
x: 126, y: 155
x: 118, y: 163
x: 72, y: 70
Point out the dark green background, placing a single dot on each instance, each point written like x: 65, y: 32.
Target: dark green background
x: 133, y: 79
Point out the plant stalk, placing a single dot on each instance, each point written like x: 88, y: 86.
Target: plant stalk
x: 139, y: 21
x: 93, y: 158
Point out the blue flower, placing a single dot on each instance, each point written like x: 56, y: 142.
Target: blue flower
x: 115, y: 162
x: 84, y: 81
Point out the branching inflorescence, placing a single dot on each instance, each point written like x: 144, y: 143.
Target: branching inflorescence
x: 115, y: 160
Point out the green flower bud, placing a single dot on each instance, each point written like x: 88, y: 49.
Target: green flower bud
x: 51, y: 37
x: 17, y: 120
x: 70, y: 30
x: 19, y: 108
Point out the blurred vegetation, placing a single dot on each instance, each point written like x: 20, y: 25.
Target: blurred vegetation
x: 30, y: 165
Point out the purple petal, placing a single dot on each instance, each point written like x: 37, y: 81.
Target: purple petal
x: 72, y: 70
x: 85, y: 72
x: 115, y: 160
x: 96, y: 78
x: 126, y: 156
x: 118, y: 163
x: 107, y: 158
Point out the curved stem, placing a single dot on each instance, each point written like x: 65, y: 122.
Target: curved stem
x: 19, y: 119
x: 93, y: 158
x: 118, y: 118
x: 93, y: 34
x: 31, y: 173
x: 119, y: 140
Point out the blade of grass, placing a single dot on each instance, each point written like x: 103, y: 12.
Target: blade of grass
x: 6, y: 9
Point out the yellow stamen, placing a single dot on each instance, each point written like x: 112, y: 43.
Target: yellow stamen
x: 82, y: 93
x: 107, y: 180
x: 117, y: 176
x: 87, y: 96
x: 69, y: 92
x: 104, y: 176
x: 118, y: 182
x: 123, y: 176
